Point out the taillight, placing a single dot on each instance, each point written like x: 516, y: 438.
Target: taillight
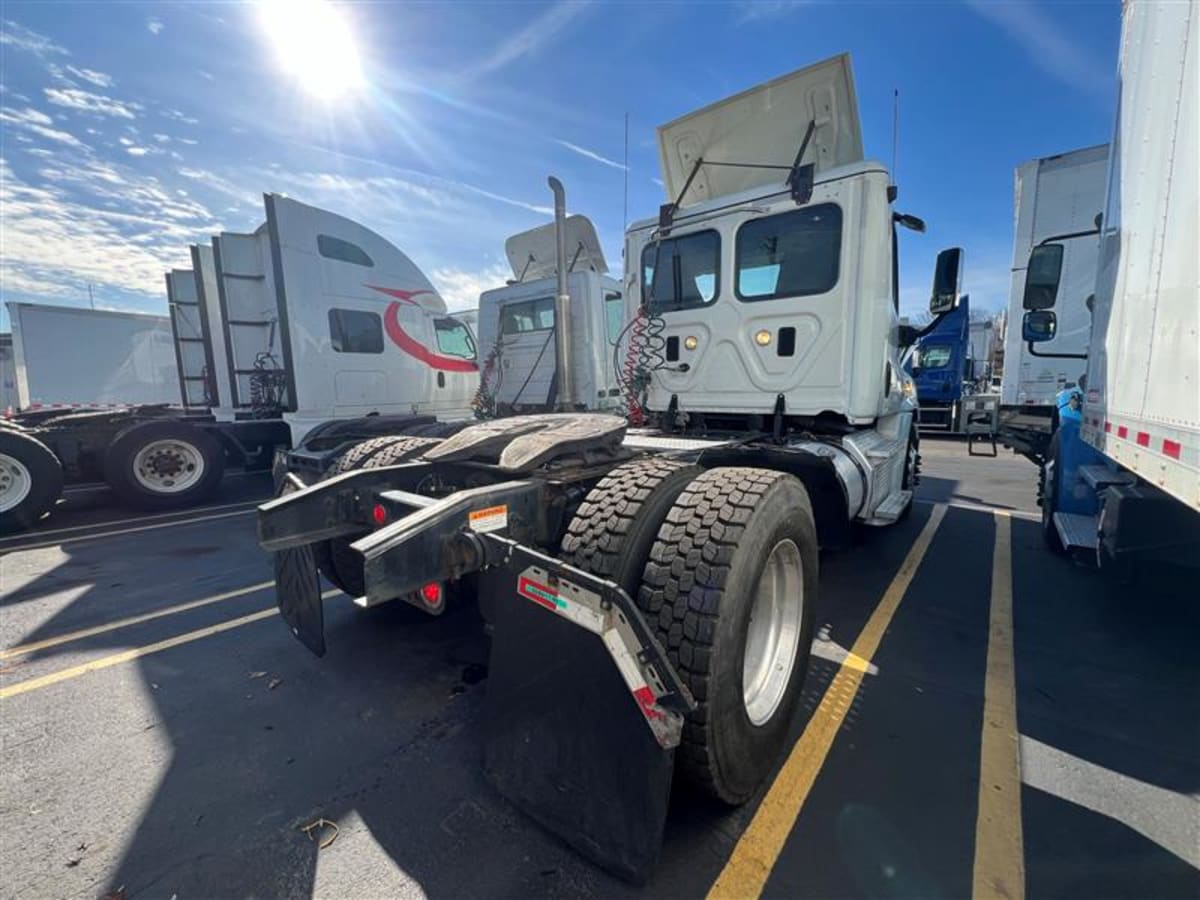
x: 431, y: 595
x: 378, y: 514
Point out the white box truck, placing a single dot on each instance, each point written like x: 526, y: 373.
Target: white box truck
x: 68, y: 357
x: 1122, y: 473
x: 1056, y: 198
x: 310, y: 330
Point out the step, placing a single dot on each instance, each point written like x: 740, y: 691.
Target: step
x: 1099, y: 476
x: 1077, y: 530
x: 892, y: 508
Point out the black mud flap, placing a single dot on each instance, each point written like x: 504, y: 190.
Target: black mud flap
x: 566, y: 741
x: 298, y: 594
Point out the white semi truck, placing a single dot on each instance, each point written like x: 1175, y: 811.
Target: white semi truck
x: 311, y: 330
x: 651, y: 589
x: 1121, y: 477
x: 1056, y: 199
x: 517, y: 353
x: 68, y: 357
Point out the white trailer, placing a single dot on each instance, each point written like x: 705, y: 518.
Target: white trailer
x: 517, y: 325
x: 1054, y: 197
x: 310, y: 331
x: 1136, y: 492
x: 70, y: 357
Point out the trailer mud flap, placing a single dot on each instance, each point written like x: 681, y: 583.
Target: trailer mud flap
x: 567, y: 743
x: 298, y: 594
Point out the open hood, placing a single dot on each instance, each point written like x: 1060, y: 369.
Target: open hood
x: 531, y: 253
x: 764, y: 125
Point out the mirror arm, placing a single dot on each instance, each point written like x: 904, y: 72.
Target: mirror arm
x: 1033, y: 352
x: 1057, y: 238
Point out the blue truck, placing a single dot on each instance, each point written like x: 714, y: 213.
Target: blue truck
x: 946, y: 378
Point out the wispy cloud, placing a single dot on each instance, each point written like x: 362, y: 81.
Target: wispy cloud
x: 1047, y: 45
x: 764, y: 10
x: 18, y: 36
x: 461, y: 288
x: 86, y: 101
x: 531, y: 38
x: 590, y: 154
x: 155, y: 25
x: 137, y: 151
x: 88, y: 222
x: 99, y: 79
x: 35, y: 122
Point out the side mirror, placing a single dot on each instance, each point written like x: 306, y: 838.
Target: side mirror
x: 1039, y: 326
x: 947, y: 281
x: 1042, y: 276
x: 908, y: 335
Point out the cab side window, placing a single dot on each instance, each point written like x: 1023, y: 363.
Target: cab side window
x: 355, y: 331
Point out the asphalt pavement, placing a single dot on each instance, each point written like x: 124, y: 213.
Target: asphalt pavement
x: 980, y: 717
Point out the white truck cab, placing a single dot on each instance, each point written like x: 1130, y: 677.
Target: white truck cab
x: 517, y: 324
x: 325, y: 319
x: 773, y: 270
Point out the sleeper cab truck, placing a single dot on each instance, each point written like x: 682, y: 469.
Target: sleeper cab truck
x: 651, y: 590
x: 311, y: 331
x: 1120, y: 481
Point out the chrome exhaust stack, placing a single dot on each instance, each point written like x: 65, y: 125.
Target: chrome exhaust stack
x: 565, y: 400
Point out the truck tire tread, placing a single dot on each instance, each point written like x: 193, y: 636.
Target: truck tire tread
x: 633, y: 497
x: 686, y: 588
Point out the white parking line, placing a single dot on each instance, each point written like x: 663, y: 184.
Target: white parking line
x: 41, y: 545
x: 23, y: 649
x: 51, y: 532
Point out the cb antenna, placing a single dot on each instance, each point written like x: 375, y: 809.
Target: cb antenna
x: 895, y: 129
x: 625, y: 201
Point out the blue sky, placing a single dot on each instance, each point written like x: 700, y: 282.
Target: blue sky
x: 130, y: 130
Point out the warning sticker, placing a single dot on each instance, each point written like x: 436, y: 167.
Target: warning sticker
x: 493, y: 518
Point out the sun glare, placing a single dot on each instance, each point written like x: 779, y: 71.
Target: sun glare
x: 314, y: 45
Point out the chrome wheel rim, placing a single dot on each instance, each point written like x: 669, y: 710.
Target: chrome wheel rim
x: 15, y: 482
x: 168, y: 466
x: 773, y: 634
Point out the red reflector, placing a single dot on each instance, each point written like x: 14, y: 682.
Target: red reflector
x: 1172, y: 449
x: 1122, y: 432
x: 378, y: 514
x: 1143, y: 439
x: 1107, y: 427
x: 432, y: 595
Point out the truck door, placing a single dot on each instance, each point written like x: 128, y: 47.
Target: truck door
x: 526, y: 337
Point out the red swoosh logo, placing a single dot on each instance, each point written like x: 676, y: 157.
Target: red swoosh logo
x: 409, y: 344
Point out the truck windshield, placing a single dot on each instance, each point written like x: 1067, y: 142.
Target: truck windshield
x: 690, y: 271
x: 454, y: 338
x: 934, y: 357
x: 792, y: 254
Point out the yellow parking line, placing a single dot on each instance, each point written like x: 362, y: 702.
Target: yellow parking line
x: 759, y: 847
x: 999, y: 870
x: 34, y: 646
x: 105, y: 662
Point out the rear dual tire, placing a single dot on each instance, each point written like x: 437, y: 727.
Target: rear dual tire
x: 723, y: 565
x: 732, y: 579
